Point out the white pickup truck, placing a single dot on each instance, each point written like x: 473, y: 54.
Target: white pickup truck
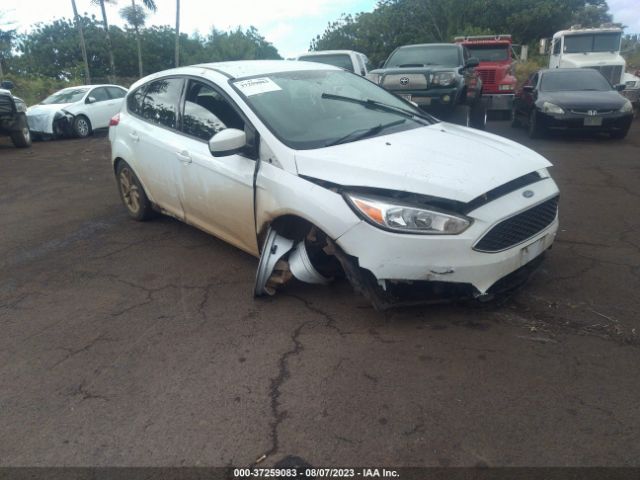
x: 350, y: 60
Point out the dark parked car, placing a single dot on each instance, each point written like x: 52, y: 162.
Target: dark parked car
x: 439, y: 77
x: 13, y: 119
x: 571, y: 99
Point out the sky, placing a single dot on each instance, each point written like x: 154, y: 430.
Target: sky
x: 289, y: 24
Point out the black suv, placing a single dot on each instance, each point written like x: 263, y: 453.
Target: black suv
x: 13, y: 117
x: 439, y: 77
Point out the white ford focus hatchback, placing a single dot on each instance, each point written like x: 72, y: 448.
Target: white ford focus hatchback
x: 321, y: 173
x: 75, y: 111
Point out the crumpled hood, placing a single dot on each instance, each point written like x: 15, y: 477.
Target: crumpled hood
x: 441, y: 160
x: 40, y: 117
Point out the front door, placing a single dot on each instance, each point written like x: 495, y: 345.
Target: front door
x: 218, y: 191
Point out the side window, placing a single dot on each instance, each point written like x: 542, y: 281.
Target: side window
x: 534, y: 80
x: 134, y: 101
x: 100, y: 94
x: 556, y: 46
x: 115, y: 92
x: 206, y: 112
x: 160, y: 102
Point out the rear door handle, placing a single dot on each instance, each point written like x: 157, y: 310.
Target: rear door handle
x: 184, y: 156
x: 134, y: 136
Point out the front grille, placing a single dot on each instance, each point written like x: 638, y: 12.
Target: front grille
x: 517, y: 229
x: 613, y: 73
x: 488, y: 77
x: 6, y: 105
x: 405, y: 81
x: 586, y: 112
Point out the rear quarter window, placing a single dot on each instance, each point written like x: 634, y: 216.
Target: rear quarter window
x: 134, y: 100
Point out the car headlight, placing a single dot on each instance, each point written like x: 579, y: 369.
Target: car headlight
x: 21, y: 107
x: 388, y: 214
x: 443, y: 78
x: 548, y: 107
x: 627, y: 107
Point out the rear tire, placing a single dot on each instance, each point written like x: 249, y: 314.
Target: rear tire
x: 21, y: 138
x: 132, y: 194
x: 461, y: 115
x: 81, y: 126
x: 479, y: 116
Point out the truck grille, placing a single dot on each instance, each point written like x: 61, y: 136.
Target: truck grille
x: 519, y: 228
x: 488, y: 77
x: 6, y: 105
x: 613, y: 73
x: 405, y: 81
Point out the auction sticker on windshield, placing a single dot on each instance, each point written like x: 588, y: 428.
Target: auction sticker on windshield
x: 256, y: 86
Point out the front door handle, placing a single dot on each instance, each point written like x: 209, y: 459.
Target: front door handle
x: 184, y: 156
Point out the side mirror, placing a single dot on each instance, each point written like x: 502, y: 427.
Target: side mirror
x: 227, y: 142
x: 528, y: 88
x: 473, y: 62
x: 90, y: 100
x: 620, y: 87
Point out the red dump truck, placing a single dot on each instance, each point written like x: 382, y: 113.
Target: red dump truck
x: 496, y: 68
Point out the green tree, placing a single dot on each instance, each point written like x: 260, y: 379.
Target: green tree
x: 136, y: 15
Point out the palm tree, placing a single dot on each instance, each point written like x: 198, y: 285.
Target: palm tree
x: 177, y: 33
x: 135, y: 15
x: 112, y: 64
x: 83, y: 46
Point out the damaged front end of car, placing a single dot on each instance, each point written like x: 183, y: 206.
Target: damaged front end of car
x: 63, y: 124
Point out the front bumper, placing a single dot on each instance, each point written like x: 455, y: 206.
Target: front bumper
x: 451, y: 259
x: 570, y: 121
x: 433, y: 100
x: 497, y: 101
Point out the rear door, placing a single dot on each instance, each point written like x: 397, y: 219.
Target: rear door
x: 116, y: 95
x: 156, y: 143
x: 98, y: 110
x: 218, y: 190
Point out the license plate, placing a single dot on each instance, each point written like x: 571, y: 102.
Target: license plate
x: 406, y: 97
x: 532, y: 250
x: 422, y: 100
x: 592, y: 121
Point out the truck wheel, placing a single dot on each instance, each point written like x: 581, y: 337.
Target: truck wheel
x: 479, y: 116
x: 461, y: 115
x: 21, y: 138
x: 535, y: 129
x: 82, y: 126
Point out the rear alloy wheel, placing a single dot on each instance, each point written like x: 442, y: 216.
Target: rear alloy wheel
x: 82, y: 126
x: 132, y: 194
x: 21, y: 138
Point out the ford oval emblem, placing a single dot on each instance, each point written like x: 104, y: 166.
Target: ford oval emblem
x: 404, y: 80
x: 527, y: 193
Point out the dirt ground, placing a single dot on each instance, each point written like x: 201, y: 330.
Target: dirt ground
x: 125, y: 343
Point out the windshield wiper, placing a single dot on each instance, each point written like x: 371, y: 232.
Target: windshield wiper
x: 364, y: 133
x: 374, y: 104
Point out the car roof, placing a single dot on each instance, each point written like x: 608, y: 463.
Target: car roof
x: 456, y: 45
x: 249, y: 68
x: 329, y: 52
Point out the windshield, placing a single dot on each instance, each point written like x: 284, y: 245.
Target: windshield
x: 337, y: 60
x: 317, y: 108
x: 68, y: 95
x: 445, y: 55
x: 593, y: 42
x: 489, y: 53
x: 574, y: 80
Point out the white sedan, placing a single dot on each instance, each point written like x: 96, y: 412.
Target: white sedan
x: 75, y: 111
x: 321, y: 173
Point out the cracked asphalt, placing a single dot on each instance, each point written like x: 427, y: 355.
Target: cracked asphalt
x: 140, y: 344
